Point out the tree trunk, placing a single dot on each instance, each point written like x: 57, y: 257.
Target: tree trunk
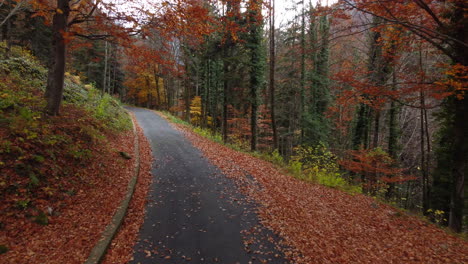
x: 187, y: 99
x: 225, y: 106
x: 460, y: 154
x: 104, y: 80
x: 158, y: 94
x: 272, y: 75
x: 392, y: 133
x: 302, y: 108
x: 256, y: 69
x: 56, y: 74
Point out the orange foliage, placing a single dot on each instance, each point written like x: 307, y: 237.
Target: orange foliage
x: 376, y: 162
x: 143, y: 79
x: 454, y: 83
x: 91, y: 19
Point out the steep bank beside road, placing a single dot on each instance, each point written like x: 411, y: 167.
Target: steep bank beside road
x: 62, y: 177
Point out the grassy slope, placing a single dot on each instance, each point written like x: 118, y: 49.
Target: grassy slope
x: 44, y: 160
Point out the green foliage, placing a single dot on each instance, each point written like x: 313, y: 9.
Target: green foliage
x: 3, y: 249
x: 208, y: 134
x: 201, y: 131
x: 41, y: 219
x: 22, y: 62
x: 318, y: 164
x: 330, y: 179
x: 34, y: 181
x: 23, y: 204
x: 275, y: 158
x: 102, y: 106
x: 109, y: 110
x: 317, y: 158
x: 174, y: 119
x: 438, y: 216
x: 295, y: 167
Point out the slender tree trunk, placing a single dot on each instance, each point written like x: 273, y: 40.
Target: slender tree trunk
x: 256, y: 69
x: 215, y: 104
x: 225, y: 104
x: 6, y: 31
x: 361, y: 129
x: 109, y: 70
x: 104, y: 80
x: 168, y: 82
x: 187, y: 99
x: 158, y: 92
x: 373, y: 176
x: 424, y: 168
x: 207, y: 94
x: 148, y: 96
x: 272, y: 75
x: 56, y: 74
x: 392, y: 133
x: 228, y: 44
x: 302, y: 108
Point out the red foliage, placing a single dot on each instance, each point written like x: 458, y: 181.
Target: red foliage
x: 377, y: 165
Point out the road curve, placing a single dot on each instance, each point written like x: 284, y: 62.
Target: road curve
x: 195, y: 214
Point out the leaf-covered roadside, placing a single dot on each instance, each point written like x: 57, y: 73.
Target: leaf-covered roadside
x: 121, y: 248
x: 325, y: 225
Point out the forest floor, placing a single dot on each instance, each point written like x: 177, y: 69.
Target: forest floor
x: 76, y: 220
x: 318, y: 224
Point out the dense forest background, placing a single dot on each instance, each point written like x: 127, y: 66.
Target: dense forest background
x: 370, y: 92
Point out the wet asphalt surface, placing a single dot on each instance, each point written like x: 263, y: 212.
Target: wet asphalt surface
x: 195, y: 214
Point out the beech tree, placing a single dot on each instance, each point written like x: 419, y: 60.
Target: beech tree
x: 65, y: 17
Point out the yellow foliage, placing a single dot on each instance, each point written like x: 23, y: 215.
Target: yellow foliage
x: 196, y: 110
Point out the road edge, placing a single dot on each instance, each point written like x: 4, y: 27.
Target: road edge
x: 99, y: 250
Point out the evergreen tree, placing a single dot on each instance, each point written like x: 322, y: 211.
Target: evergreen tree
x: 317, y: 124
x: 257, y: 64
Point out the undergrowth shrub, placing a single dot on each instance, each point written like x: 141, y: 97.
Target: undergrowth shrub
x: 208, y: 134
x: 274, y: 157
x: 319, y: 165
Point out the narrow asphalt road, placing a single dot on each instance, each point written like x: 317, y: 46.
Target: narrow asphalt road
x: 195, y: 214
